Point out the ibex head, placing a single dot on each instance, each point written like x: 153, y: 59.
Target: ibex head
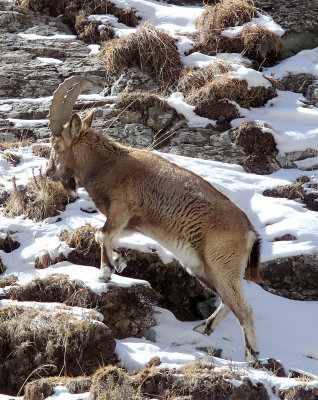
x: 65, y: 127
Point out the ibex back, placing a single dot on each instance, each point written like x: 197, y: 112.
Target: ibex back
x: 139, y: 191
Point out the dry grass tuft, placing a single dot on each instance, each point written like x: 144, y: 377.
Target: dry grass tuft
x: 302, y: 189
x: 10, y: 280
x: 37, y: 343
x: 43, y: 388
x: 261, y: 44
x: 223, y: 15
x: 41, y: 150
x: 11, y: 158
x: 39, y: 200
x: 14, y: 145
x: 86, y: 249
x: 76, y: 16
x: 90, y: 31
x: 150, y: 49
x: 232, y: 89
x: 195, y: 78
x: 56, y: 288
x: 45, y: 260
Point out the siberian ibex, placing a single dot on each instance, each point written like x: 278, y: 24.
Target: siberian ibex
x: 140, y: 191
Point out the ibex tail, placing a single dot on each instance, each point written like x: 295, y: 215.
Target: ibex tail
x: 252, y: 269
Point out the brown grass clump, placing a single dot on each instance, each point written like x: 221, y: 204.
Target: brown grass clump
x: 39, y: 200
x: 76, y: 16
x: 128, y: 312
x: 11, y: 158
x: 261, y: 44
x: 86, y: 249
x: 150, y: 49
x: 297, y: 190
x: 195, y: 78
x: 89, y: 31
x: 190, y: 382
x: 43, y: 388
x: 55, y: 288
x: 45, y: 260
x: 10, y: 280
x: 41, y: 150
x: 229, y: 88
x: 37, y: 343
x: 223, y: 15
x: 14, y: 145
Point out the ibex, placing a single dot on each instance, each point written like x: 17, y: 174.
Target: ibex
x: 140, y: 191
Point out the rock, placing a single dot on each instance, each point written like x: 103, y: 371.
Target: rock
x: 254, y: 138
x: 131, y: 80
x: 159, y: 119
x: 292, y: 277
x: 299, y: 19
x: 260, y: 164
x: 137, y: 135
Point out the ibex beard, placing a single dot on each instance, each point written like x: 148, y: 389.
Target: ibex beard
x: 140, y: 191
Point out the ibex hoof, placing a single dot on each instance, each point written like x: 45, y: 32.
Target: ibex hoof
x: 203, y: 329
x: 119, y: 263
x: 105, y: 274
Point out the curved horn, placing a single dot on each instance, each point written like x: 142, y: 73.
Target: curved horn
x: 64, y: 99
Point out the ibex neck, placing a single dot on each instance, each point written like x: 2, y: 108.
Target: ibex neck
x: 92, y: 153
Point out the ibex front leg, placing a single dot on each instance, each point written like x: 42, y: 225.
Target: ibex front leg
x: 114, y: 226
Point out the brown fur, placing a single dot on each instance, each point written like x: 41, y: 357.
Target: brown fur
x: 139, y: 191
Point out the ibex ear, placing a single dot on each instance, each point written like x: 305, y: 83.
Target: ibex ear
x: 87, y: 122
x: 75, y: 124
x: 71, y: 129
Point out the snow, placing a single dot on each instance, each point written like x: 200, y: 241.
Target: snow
x: 49, y: 61
x: 287, y: 329
x: 305, y: 62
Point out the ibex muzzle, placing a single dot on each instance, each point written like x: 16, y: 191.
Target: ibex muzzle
x: 139, y: 191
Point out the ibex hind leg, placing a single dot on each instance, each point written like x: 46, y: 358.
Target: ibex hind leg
x: 231, y: 292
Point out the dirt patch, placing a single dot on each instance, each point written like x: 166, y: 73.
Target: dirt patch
x: 303, y: 189
x: 128, y: 312
x: 254, y: 138
x: 39, y: 343
x: 38, y: 200
x: 7, y: 244
x: 150, y: 49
